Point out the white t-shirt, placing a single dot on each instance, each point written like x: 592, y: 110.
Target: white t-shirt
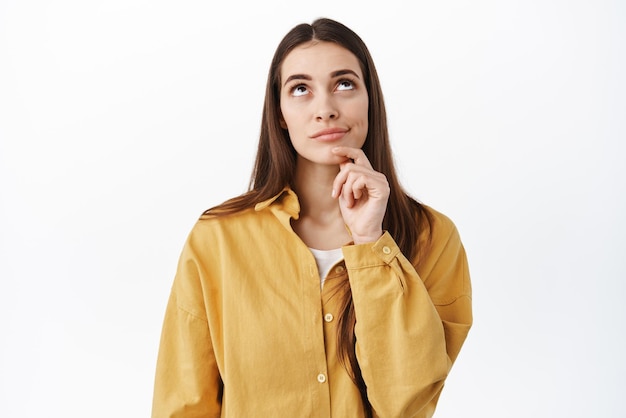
x: 325, y: 259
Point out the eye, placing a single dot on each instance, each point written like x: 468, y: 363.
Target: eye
x: 345, y: 85
x: 299, y: 90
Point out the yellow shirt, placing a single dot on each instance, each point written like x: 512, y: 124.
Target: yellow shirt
x: 249, y: 333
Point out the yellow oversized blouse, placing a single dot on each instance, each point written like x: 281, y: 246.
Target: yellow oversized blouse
x: 248, y: 332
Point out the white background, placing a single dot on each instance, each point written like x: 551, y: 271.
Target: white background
x: 121, y: 121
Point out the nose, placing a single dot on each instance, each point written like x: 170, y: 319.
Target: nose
x: 326, y: 108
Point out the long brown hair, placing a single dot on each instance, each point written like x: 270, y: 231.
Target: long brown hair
x: 275, y: 165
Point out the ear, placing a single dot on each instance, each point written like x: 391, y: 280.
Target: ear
x: 282, y: 122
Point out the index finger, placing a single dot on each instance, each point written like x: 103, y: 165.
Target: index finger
x: 355, y: 154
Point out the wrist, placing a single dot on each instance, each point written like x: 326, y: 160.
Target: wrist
x: 367, y: 239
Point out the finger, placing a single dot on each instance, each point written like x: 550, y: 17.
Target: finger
x: 350, y: 170
x: 355, y: 154
x: 339, y: 181
x: 355, y: 188
x: 347, y: 196
x: 354, y: 184
x: 350, y: 190
x: 359, y: 186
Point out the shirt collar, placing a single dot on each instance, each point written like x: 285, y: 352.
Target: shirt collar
x: 286, y: 201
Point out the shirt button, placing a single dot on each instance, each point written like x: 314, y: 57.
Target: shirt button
x: 339, y: 269
x: 321, y: 378
x: 328, y: 317
x: 386, y: 250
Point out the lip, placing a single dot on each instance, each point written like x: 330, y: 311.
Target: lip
x: 329, y: 134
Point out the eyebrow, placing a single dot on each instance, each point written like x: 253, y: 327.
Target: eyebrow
x: 297, y: 77
x: 334, y: 74
x: 344, y: 72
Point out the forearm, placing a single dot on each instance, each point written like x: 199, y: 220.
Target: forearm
x: 401, y: 342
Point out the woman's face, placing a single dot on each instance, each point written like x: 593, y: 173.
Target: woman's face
x: 323, y: 101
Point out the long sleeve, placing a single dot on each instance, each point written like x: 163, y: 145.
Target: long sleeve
x: 187, y: 382
x: 247, y: 332
x: 410, y: 326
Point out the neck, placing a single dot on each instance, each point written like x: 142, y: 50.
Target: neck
x: 313, y: 183
x: 320, y: 224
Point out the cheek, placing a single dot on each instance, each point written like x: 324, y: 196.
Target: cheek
x: 361, y: 107
x: 363, y: 117
x: 366, y: 107
x: 363, y: 113
x: 294, y: 122
x: 288, y: 117
x: 285, y: 112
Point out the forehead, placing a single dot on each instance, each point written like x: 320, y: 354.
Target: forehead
x: 318, y: 59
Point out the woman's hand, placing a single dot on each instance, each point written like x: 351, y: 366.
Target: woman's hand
x: 362, y: 194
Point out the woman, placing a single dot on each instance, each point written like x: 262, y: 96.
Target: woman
x: 325, y: 290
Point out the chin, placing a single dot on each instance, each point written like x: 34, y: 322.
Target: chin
x: 331, y: 160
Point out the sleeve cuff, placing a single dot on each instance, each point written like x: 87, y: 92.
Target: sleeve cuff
x: 381, y: 252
